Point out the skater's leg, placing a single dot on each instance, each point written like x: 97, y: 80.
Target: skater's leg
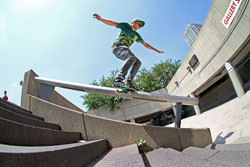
x: 129, y: 59
x: 126, y: 66
x: 134, y: 70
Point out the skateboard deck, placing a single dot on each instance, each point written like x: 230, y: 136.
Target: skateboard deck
x: 123, y: 88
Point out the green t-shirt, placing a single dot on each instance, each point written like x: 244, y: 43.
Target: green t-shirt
x: 127, y: 35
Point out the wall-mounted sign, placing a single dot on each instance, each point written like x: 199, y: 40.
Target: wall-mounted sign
x: 228, y: 67
x: 231, y: 12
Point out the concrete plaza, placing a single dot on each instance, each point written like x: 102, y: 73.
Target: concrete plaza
x: 229, y: 123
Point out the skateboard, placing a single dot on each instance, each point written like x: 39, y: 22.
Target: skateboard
x: 123, y: 88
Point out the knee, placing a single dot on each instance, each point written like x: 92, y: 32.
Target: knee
x: 132, y: 59
x: 138, y: 62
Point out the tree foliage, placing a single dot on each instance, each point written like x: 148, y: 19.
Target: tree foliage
x: 94, y: 101
x: 147, y: 80
x: 158, y: 77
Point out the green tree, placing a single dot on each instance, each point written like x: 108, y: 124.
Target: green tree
x: 147, y: 80
x: 94, y: 101
x: 158, y: 77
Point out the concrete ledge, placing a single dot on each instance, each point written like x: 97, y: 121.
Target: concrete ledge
x: 19, y: 134
x: 194, y: 137
x: 130, y: 109
x: 73, y: 155
x: 30, y: 87
x: 119, y: 133
x: 69, y: 120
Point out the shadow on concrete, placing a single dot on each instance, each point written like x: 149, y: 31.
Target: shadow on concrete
x: 220, y: 140
x: 98, y: 159
x: 145, y: 160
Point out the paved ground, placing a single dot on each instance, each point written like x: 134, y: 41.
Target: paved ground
x: 229, y: 123
x: 127, y: 156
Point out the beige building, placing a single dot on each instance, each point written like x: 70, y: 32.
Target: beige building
x: 216, y: 69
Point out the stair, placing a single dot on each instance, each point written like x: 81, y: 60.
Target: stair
x: 20, y: 134
x: 27, y: 141
x: 14, y: 105
x: 233, y: 155
x: 69, y: 155
x: 229, y: 155
x: 225, y: 155
x: 163, y: 157
x: 8, y: 106
x: 17, y: 117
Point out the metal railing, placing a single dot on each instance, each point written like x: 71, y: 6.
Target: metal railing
x: 47, y: 87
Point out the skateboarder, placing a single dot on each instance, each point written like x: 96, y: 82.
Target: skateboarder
x: 121, y: 49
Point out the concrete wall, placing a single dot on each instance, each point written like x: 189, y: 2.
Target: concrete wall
x: 221, y: 93
x: 118, y: 133
x: 214, y: 46
x: 30, y: 87
x: 69, y: 120
x: 131, y: 109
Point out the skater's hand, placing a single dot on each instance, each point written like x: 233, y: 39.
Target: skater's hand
x: 96, y: 16
x: 159, y: 51
x: 108, y: 22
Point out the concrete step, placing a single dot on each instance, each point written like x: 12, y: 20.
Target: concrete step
x: 127, y: 156
x: 68, y: 155
x: 231, y: 158
x: 6, y: 114
x: 163, y: 157
x: 221, y: 158
x: 19, y: 134
x: 14, y: 105
x: 12, y: 108
x: 200, y: 153
x: 229, y: 147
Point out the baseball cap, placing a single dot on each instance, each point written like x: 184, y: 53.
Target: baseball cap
x: 137, y: 20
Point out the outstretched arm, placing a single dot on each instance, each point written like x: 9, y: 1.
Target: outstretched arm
x: 108, y: 22
x: 151, y: 47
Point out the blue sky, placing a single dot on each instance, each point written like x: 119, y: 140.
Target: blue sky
x: 59, y: 39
